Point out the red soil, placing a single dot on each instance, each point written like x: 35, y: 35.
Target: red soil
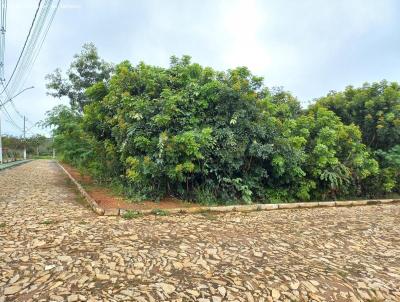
x: 107, y: 200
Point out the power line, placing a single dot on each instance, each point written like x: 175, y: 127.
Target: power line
x: 36, y: 51
x: 11, y: 123
x: 29, y: 47
x: 35, y: 43
x: 23, y: 48
x: 38, y: 31
x: 10, y: 100
x: 4, y: 109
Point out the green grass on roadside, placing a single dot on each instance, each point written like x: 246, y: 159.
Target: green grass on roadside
x: 159, y: 212
x: 42, y: 157
x: 209, y: 215
x: 47, y: 222
x: 131, y: 215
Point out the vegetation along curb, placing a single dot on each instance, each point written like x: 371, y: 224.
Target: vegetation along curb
x: 238, y: 208
x: 93, y: 204
x: 268, y: 207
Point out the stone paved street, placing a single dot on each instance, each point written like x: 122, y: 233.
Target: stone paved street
x: 53, y: 248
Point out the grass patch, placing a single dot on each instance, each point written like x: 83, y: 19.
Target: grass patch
x: 159, y: 212
x: 131, y: 215
x: 88, y: 187
x: 2, y: 225
x: 208, y: 215
x: 43, y: 157
x: 47, y: 222
x: 342, y: 274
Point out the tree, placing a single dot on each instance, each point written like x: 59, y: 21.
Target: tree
x: 85, y: 70
x: 375, y: 108
x: 337, y: 160
x: 69, y: 137
x: 186, y: 130
x: 36, y: 141
x: 196, y: 133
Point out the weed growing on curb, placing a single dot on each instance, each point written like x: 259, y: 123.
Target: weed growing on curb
x: 159, y: 212
x: 131, y: 215
x: 47, y: 222
x: 343, y: 274
x: 208, y: 215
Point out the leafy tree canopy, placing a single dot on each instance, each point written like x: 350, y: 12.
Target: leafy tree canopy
x: 196, y: 133
x: 85, y: 70
x: 375, y: 108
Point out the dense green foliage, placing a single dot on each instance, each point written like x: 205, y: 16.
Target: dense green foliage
x: 375, y: 109
x: 196, y: 133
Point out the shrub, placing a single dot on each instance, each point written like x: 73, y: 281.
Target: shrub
x: 223, y: 137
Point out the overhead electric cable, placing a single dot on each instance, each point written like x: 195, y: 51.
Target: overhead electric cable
x: 23, y: 48
x: 4, y: 109
x: 41, y: 42
x: 38, y: 31
x: 26, y: 58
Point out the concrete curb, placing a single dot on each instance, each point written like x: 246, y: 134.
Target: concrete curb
x: 270, y: 207
x: 15, y: 164
x: 93, y: 204
x: 234, y: 208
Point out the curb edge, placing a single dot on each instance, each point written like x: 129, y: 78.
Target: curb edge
x: 93, y: 204
x: 230, y: 208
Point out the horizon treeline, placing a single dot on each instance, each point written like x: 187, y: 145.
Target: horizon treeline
x: 35, y: 145
x: 199, y: 134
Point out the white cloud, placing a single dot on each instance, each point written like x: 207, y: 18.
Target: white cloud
x: 242, y: 23
x: 308, y: 46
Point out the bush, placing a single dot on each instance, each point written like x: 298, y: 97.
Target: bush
x: 220, y: 137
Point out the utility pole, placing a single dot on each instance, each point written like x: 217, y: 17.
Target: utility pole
x: 24, y: 139
x: 54, y: 150
x: 3, y: 9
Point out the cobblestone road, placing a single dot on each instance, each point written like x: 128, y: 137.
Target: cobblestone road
x: 52, y: 248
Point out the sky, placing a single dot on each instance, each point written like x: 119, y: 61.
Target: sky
x: 308, y: 47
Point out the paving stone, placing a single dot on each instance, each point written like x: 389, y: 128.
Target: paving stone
x: 275, y: 294
x: 12, y: 290
x: 53, y: 248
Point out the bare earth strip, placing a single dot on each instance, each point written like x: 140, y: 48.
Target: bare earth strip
x: 52, y: 248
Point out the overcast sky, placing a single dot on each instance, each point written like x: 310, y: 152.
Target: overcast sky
x: 309, y: 47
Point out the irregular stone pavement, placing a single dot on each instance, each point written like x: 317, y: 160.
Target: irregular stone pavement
x: 53, y: 248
